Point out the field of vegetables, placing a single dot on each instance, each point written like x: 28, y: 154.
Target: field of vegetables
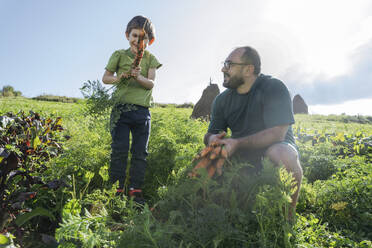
x: 54, y: 160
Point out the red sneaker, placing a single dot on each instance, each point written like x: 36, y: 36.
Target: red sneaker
x: 136, y: 194
x: 119, y: 192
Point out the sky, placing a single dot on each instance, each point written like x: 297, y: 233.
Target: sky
x: 321, y: 49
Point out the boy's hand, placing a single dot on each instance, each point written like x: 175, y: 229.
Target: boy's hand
x: 123, y: 75
x: 136, y: 72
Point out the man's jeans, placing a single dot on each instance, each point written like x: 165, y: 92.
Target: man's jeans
x: 137, y: 122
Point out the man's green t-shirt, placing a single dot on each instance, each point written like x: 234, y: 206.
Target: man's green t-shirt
x: 129, y: 90
x: 267, y: 104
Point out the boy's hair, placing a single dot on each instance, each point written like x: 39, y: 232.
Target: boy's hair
x: 251, y: 56
x: 141, y: 22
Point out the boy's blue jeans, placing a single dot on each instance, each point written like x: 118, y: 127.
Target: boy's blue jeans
x: 138, y: 123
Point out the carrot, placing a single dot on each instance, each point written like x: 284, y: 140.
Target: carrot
x: 212, y: 156
x: 205, y: 151
x: 224, y: 152
x: 140, y: 51
x: 219, y: 165
x: 216, y: 151
x: 214, y: 144
x: 196, y: 157
x: 211, y: 170
x: 203, y: 163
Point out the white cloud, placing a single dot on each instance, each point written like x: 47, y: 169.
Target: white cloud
x: 363, y: 34
x: 357, y: 107
x: 357, y: 84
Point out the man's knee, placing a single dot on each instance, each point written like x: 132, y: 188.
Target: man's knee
x: 284, y: 154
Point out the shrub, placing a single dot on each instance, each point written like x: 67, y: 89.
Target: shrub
x: 310, y: 232
x: 29, y: 201
x: 8, y: 91
x: 345, y: 200
x: 52, y: 98
x: 173, y: 105
x: 237, y: 210
x: 318, y: 161
x: 171, y: 147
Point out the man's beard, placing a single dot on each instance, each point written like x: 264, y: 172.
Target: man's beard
x: 234, y: 82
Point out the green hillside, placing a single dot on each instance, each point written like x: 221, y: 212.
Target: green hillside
x: 58, y: 195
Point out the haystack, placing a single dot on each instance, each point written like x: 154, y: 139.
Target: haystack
x: 299, y: 105
x: 202, y: 108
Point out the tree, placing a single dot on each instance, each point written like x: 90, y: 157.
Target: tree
x: 8, y: 91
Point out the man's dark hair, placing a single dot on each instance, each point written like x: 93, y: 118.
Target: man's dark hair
x: 139, y: 22
x: 251, y: 56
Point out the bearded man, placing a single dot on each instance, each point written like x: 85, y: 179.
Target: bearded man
x: 257, y: 108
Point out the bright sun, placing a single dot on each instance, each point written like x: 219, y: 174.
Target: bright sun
x: 324, y: 33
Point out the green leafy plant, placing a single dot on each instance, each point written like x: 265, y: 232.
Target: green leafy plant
x: 345, y: 200
x: 27, y: 142
x: 99, y: 100
x: 228, y: 212
x: 333, y: 208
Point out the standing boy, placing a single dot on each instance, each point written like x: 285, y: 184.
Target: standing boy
x: 132, y: 97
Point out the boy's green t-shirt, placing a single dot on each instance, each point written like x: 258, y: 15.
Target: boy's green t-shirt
x: 129, y: 90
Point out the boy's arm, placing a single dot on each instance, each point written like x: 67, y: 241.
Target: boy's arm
x: 147, y: 83
x: 110, y: 78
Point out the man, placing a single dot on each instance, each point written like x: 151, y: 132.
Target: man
x: 258, y: 110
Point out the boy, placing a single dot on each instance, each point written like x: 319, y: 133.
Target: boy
x: 130, y: 113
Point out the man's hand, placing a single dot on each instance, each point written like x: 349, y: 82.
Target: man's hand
x: 216, y: 137
x: 231, y: 145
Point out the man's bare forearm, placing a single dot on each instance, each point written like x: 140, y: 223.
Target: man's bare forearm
x: 263, y: 138
x: 258, y: 140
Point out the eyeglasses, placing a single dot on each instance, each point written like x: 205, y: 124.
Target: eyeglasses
x: 227, y: 64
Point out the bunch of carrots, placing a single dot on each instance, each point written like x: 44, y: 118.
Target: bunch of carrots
x: 140, y: 51
x: 212, y: 158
